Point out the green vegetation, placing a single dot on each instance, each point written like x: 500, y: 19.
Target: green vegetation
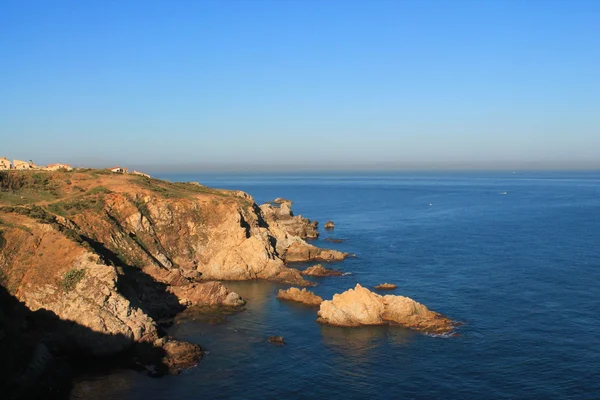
x: 35, y: 212
x: 92, y: 200
x: 71, y: 278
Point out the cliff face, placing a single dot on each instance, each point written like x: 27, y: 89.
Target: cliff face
x: 114, y: 253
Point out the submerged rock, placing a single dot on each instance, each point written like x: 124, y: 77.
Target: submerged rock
x: 333, y: 240
x: 319, y: 270
x: 276, y: 340
x: 360, y: 306
x: 385, y: 286
x: 301, y: 296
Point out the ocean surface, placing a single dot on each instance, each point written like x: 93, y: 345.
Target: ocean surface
x: 514, y: 256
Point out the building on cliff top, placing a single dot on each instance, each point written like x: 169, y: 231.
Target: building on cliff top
x: 57, y: 166
x: 119, y: 170
x: 24, y: 165
x: 5, y: 163
x: 140, y: 173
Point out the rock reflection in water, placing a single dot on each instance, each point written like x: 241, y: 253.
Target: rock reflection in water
x: 357, y: 343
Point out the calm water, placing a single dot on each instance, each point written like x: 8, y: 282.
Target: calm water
x: 521, y: 269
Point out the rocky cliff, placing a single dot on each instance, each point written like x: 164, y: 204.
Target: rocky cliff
x: 113, y: 253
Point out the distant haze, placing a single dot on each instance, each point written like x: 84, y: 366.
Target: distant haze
x: 301, y: 85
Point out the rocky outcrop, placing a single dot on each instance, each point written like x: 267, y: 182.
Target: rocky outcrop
x: 300, y: 251
x: 301, y: 296
x: 180, y: 355
x: 319, y: 270
x: 209, y: 294
x: 329, y: 225
x: 385, y: 286
x: 360, y: 306
x: 279, y: 213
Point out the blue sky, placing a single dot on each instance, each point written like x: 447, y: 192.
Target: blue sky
x: 298, y: 84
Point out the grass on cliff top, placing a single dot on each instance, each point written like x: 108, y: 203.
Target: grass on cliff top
x: 93, y: 199
x: 175, y: 190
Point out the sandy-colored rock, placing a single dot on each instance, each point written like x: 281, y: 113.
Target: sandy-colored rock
x: 329, y: 225
x: 319, y: 270
x: 302, y: 251
x: 301, y: 296
x: 279, y: 213
x: 209, y: 293
x: 360, y: 306
x: 354, y: 307
x: 385, y: 286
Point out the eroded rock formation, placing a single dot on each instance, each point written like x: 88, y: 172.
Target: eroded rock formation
x: 279, y: 212
x: 360, y: 306
x: 301, y: 296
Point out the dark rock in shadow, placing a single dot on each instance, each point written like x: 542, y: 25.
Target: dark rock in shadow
x: 40, y: 356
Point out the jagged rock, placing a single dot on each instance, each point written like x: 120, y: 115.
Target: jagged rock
x: 301, y: 296
x: 360, y: 306
x: 209, y: 293
x: 279, y: 213
x: 319, y: 270
x: 180, y: 355
x: 386, y: 286
x: 301, y: 251
x: 329, y: 225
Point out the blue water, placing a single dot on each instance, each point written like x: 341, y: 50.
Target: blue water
x: 521, y: 270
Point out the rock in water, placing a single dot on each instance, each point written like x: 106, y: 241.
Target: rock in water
x: 329, y: 225
x: 386, y: 286
x: 276, y: 340
x: 301, y: 296
x: 319, y: 270
x: 360, y: 306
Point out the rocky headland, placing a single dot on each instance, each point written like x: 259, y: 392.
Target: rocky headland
x: 300, y: 296
x: 360, y: 306
x: 103, y: 256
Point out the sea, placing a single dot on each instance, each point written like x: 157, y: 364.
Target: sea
x: 513, y: 256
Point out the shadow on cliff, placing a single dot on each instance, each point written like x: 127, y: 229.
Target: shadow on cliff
x: 142, y: 290
x: 39, y: 352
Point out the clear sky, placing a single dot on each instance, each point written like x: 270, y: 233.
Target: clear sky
x: 296, y: 84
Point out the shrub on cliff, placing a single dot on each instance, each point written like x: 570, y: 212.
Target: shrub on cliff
x: 71, y: 278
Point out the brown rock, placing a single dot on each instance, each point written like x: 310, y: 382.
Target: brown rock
x: 276, y: 340
x: 302, y: 251
x: 301, y: 296
x: 329, y: 225
x: 359, y: 306
x: 332, y: 240
x: 180, y: 355
x: 209, y: 293
x: 319, y: 270
x: 386, y: 286
x: 279, y: 213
